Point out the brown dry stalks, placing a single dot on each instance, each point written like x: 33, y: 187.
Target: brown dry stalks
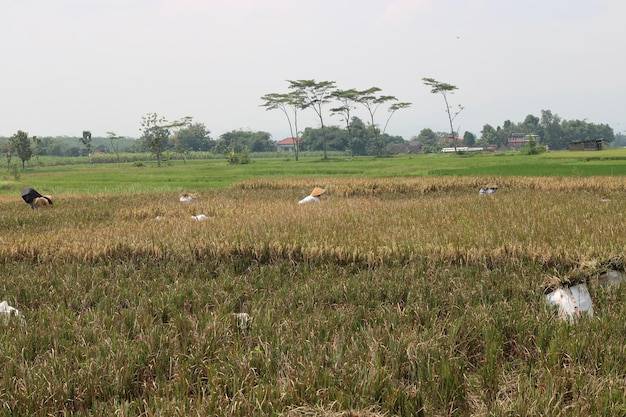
x: 381, y: 186
x: 383, y: 222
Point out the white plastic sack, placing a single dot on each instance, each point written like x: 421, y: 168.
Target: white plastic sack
x: 200, y: 217
x: 7, y: 310
x: 612, y: 277
x: 571, y: 302
x: 243, y: 320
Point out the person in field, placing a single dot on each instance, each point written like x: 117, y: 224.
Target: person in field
x: 314, y: 197
x: 34, y: 199
x: 187, y: 198
x: 489, y: 190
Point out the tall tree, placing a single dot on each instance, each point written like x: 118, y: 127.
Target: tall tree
x: 315, y: 95
x: 346, y: 99
x: 392, y: 109
x: 469, y: 139
x: 430, y: 140
x: 336, y: 139
x: 289, y: 104
x: 360, y: 137
x: 7, y: 152
x: 488, y: 135
x: 551, y: 127
x: 444, y: 89
x: 180, y: 148
x: 114, y: 139
x: 156, y: 132
x: 38, y: 147
x: 86, y: 140
x: 193, y: 137
x: 372, y: 102
x: 605, y: 132
x: 21, y: 144
x: 239, y: 141
x: 531, y: 125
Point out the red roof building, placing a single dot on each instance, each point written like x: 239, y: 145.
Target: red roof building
x: 287, y: 144
x: 517, y: 140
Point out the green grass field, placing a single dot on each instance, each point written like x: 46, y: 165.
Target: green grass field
x: 216, y: 173
x: 402, y: 293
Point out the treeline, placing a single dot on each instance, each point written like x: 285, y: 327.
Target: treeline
x: 358, y: 140
x: 196, y: 137
x: 68, y: 146
x: 553, y: 131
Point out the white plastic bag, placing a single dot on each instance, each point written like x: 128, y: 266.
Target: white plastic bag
x: 243, y: 320
x: 571, y: 302
x: 612, y: 277
x: 6, y: 310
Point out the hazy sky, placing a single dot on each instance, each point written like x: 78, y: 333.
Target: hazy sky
x: 100, y: 65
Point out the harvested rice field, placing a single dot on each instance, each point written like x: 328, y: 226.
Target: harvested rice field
x: 390, y: 297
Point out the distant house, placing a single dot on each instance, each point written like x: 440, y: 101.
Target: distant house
x: 397, y: 148
x: 517, y: 140
x: 586, y: 145
x: 286, y: 145
x: 450, y: 140
x: 415, y: 146
x: 401, y: 148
